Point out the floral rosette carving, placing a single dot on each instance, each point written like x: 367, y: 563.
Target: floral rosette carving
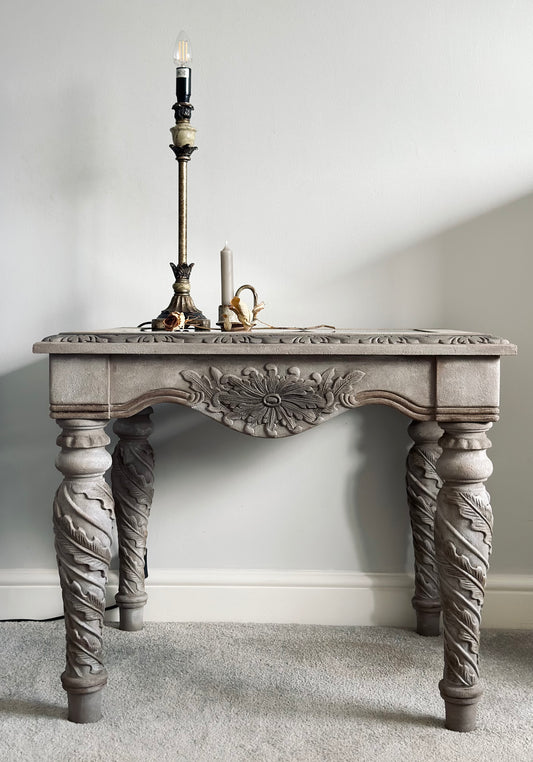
x: 273, y: 402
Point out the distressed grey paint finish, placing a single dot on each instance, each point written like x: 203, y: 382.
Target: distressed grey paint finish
x: 428, y: 375
x: 131, y: 340
x: 83, y: 523
x: 463, y: 541
x: 423, y: 484
x: 132, y: 479
x: 277, y: 384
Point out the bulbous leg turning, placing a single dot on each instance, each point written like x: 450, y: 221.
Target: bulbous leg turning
x: 463, y: 540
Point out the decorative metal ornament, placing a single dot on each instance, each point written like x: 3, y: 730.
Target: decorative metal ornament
x: 238, y: 316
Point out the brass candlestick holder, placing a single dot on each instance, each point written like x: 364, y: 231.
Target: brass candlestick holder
x: 183, y: 138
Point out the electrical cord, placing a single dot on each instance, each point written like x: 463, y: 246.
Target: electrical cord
x: 52, y: 618
x: 62, y: 616
x: 263, y: 327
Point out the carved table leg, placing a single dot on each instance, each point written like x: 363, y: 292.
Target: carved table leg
x: 463, y: 537
x: 423, y: 484
x: 83, y: 521
x: 132, y: 477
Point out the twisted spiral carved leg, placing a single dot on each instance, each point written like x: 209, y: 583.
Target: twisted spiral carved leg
x: 83, y: 522
x: 132, y: 477
x: 423, y: 484
x: 463, y: 538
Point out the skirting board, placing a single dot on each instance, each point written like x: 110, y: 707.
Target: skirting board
x: 249, y: 595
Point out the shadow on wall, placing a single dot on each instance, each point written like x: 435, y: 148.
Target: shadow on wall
x: 232, y: 501
x: 487, y: 277
x: 476, y: 276
x: 376, y: 505
x: 28, y: 479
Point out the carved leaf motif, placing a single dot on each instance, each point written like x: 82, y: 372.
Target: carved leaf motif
x: 87, y: 648
x: 471, y: 578
x: 133, y: 472
x: 476, y: 508
x: 468, y: 626
x: 93, y: 563
x: 339, y: 388
x: 75, y: 542
x: 423, y: 484
x: 98, y: 491
x: 83, y: 522
x: 463, y: 535
x: 206, y: 387
x: 475, y: 590
x: 273, y: 400
x: 423, y: 509
x: 391, y: 339
x: 148, y: 338
x: 463, y: 671
x: 133, y: 487
x: 279, y: 338
x: 311, y: 339
x: 89, y: 603
x: 423, y: 461
x: 470, y: 339
x: 229, y: 338
x: 133, y: 527
x: 86, y: 338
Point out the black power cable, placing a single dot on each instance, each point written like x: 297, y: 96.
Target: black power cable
x: 62, y: 616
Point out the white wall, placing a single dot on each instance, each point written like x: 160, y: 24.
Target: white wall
x: 371, y: 165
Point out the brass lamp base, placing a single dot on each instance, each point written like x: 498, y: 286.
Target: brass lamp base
x: 182, y: 301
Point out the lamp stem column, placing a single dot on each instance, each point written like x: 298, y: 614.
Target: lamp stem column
x: 182, y: 310
x: 183, y: 147
x: 182, y: 210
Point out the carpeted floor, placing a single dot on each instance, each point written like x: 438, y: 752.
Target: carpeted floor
x: 232, y: 692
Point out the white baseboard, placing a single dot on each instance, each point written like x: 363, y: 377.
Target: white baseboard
x: 248, y: 595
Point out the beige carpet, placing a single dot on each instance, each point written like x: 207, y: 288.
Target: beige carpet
x: 231, y: 692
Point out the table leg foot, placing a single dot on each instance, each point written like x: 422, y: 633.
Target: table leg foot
x: 461, y: 706
x: 132, y: 479
x: 131, y: 620
x: 463, y: 539
x: 85, y: 707
x: 428, y: 623
x: 423, y: 484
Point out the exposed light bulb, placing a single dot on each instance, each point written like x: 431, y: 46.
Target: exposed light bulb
x: 182, y: 50
x: 182, y: 59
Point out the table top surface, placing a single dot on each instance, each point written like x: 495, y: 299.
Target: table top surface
x: 276, y: 342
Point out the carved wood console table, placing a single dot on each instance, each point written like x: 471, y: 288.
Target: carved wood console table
x: 273, y: 384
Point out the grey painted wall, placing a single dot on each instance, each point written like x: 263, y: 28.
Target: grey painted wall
x: 371, y: 165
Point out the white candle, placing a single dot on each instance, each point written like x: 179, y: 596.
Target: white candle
x: 226, y: 272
